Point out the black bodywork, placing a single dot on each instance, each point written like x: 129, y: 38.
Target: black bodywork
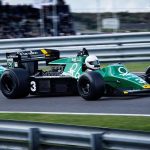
x: 40, y: 82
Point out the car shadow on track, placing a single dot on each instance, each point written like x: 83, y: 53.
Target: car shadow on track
x: 77, y: 97
x: 110, y: 98
x: 123, y: 97
x: 37, y: 97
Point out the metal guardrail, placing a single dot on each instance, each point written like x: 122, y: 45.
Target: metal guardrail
x: 17, y: 135
x: 108, y: 47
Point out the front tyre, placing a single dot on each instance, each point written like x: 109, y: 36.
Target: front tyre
x: 14, y: 83
x: 91, y: 86
x: 147, y: 75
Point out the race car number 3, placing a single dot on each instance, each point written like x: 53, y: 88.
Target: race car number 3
x: 33, y: 86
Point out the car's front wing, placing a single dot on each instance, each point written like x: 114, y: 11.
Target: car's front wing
x: 136, y: 92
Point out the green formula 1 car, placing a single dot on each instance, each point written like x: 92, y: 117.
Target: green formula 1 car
x: 66, y: 76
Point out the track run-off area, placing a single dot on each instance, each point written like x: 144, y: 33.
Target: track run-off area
x: 75, y: 104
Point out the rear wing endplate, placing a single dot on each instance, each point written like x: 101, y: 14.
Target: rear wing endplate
x: 14, y: 59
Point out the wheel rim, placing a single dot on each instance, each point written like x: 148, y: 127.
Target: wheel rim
x: 85, y: 87
x: 7, y: 83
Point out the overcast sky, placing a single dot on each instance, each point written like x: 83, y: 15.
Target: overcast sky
x: 101, y: 5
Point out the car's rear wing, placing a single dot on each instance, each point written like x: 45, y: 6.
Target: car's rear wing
x: 16, y: 59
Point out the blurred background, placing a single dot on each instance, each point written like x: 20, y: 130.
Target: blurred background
x: 35, y: 18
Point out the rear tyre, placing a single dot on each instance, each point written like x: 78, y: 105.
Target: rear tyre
x: 91, y: 86
x: 14, y: 83
x: 147, y: 75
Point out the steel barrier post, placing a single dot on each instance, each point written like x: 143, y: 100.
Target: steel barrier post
x: 96, y: 141
x: 34, y: 139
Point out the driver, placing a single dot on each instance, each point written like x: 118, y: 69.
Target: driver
x: 92, y: 63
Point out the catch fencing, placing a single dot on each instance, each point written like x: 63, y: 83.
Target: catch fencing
x: 115, y: 47
x: 17, y: 135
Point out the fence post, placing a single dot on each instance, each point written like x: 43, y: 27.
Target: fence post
x: 34, y: 139
x: 96, y: 141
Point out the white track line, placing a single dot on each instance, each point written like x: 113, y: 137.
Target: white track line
x: 68, y: 113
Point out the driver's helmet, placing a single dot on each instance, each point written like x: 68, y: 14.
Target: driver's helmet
x: 92, y: 62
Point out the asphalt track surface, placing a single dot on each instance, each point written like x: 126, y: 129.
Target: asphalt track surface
x: 75, y: 104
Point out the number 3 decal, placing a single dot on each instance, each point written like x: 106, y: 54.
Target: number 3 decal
x: 33, y: 86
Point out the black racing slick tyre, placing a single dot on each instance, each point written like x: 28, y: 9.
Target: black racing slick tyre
x: 147, y: 75
x: 91, y: 86
x: 14, y: 83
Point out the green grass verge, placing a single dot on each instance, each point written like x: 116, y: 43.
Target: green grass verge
x: 137, y: 66
x: 119, y: 122
x: 134, y: 66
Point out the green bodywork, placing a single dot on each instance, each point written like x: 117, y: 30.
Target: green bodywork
x: 2, y: 69
x: 119, y: 77
x: 116, y: 76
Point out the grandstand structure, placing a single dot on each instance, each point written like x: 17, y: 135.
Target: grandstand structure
x: 23, y: 21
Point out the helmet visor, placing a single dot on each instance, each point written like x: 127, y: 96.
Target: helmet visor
x: 95, y: 63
